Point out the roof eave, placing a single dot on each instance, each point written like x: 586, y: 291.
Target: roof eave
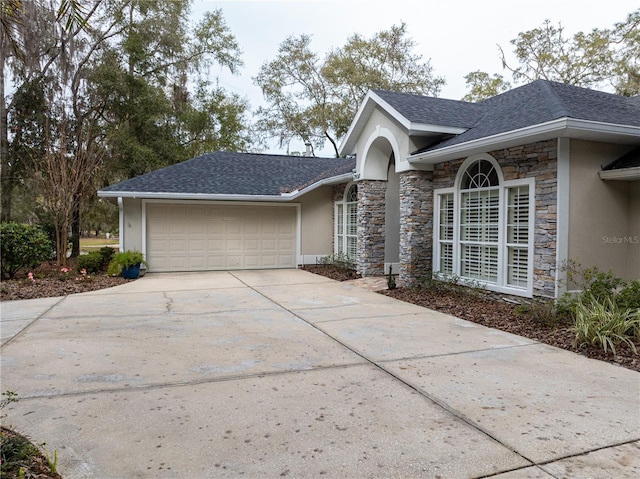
x: 283, y: 197
x: 623, y: 174
x: 562, y: 127
x: 419, y: 129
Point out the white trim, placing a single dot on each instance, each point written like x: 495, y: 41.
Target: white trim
x: 298, y: 232
x: 472, y: 159
x: 623, y: 174
x: 562, y: 212
x: 531, y: 183
x: 215, y: 197
x: 437, y: 195
x: 121, y: 224
x: 563, y: 127
x: 144, y: 225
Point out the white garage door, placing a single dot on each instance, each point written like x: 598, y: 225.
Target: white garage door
x: 194, y: 237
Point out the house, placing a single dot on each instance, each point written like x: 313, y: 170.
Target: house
x: 500, y: 193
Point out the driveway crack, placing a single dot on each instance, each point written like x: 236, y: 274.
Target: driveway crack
x: 169, y: 302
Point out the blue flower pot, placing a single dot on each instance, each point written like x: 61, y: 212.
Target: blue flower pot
x: 132, y: 272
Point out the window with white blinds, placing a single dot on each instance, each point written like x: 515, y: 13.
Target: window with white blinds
x: 482, y: 229
x: 517, y: 241
x: 445, y: 239
x: 347, y: 224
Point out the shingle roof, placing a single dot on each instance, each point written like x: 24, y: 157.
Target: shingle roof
x: 630, y: 160
x: 430, y: 110
x: 532, y: 104
x: 227, y: 173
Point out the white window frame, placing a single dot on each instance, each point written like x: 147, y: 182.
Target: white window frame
x: 344, y: 204
x: 504, y: 187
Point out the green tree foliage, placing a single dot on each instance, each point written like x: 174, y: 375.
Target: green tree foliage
x: 482, y: 86
x: 598, y: 59
x: 314, y: 99
x: 106, y: 90
x: 22, y: 246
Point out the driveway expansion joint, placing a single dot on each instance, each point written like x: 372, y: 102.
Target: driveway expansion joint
x: 433, y: 399
x: 19, y: 333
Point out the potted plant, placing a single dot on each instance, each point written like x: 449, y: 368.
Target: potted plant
x: 126, y: 263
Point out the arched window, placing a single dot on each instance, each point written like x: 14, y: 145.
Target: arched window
x: 347, y: 223
x: 483, y: 228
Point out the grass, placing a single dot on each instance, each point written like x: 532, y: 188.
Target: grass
x: 93, y: 244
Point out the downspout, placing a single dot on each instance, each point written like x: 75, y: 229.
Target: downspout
x: 121, y: 224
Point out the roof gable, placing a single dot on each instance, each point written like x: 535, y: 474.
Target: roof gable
x: 234, y: 174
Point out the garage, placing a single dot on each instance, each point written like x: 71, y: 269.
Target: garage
x: 204, y: 237
x: 231, y: 211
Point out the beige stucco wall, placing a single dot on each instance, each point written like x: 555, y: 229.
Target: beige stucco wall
x: 131, y: 231
x: 381, y: 136
x: 634, y: 231
x: 600, y: 211
x: 317, y: 222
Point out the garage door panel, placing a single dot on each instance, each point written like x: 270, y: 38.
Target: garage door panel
x: 197, y: 237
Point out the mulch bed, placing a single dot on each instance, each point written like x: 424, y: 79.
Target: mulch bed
x: 34, y: 466
x: 333, y: 272
x: 50, y: 280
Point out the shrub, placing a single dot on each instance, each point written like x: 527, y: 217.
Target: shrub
x: 337, y: 260
x: 92, y: 262
x: 629, y: 296
x: 107, y: 253
x: 543, y: 311
x: 602, y: 323
x: 22, y: 246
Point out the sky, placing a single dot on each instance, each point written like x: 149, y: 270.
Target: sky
x: 457, y: 36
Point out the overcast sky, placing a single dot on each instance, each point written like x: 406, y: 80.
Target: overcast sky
x: 457, y: 36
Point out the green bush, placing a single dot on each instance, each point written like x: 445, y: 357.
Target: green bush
x: 603, y: 323
x: 629, y: 296
x: 92, y: 262
x: 107, y: 253
x: 22, y: 246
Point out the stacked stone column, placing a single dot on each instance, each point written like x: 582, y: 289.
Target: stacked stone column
x: 371, y: 227
x: 416, y: 226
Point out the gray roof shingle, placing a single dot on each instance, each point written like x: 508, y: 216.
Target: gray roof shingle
x: 227, y: 173
x: 532, y: 104
x: 434, y: 111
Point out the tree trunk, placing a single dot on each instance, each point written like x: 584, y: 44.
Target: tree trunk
x: 75, y: 232
x: 5, y: 177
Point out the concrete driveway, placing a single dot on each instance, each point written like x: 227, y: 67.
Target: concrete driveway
x: 288, y: 374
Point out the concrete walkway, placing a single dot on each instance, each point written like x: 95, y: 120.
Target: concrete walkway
x: 289, y: 374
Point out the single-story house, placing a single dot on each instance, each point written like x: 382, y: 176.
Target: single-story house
x: 500, y: 193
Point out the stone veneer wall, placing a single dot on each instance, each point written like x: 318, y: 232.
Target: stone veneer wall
x: 534, y: 160
x: 416, y: 226
x: 371, y: 227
